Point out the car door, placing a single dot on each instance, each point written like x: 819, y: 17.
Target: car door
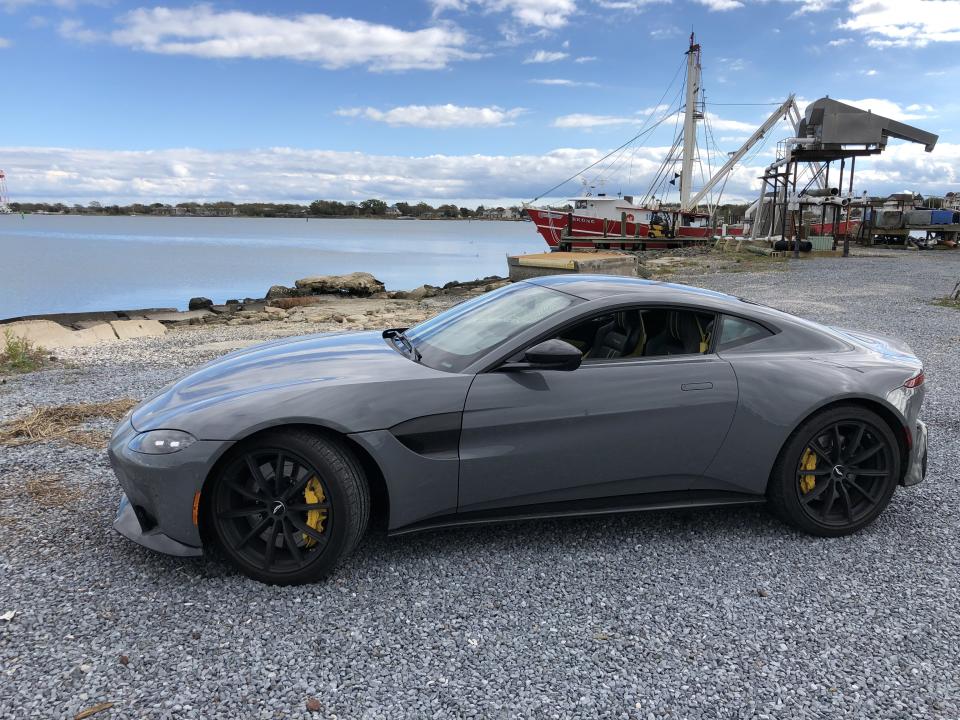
x: 620, y: 427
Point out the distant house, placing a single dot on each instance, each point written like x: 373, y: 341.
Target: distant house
x: 392, y: 211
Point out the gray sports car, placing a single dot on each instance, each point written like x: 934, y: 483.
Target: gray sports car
x: 567, y: 395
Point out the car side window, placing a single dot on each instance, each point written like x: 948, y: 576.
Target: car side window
x: 736, y: 332
x: 635, y: 333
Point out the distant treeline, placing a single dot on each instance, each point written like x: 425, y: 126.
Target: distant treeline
x: 319, y: 208
x: 373, y: 207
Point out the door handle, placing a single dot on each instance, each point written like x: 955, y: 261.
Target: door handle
x: 697, y: 386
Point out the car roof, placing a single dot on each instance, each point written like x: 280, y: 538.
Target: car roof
x: 597, y: 287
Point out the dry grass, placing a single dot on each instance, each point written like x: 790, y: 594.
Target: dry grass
x: 62, y: 422
x: 52, y: 490
x: 948, y: 302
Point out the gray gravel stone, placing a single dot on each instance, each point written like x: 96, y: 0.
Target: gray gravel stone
x: 694, y: 614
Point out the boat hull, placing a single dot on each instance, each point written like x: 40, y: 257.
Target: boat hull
x: 568, y: 230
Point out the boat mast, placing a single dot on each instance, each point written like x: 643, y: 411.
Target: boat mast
x: 689, y: 124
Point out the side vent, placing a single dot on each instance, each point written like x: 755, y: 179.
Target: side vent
x: 433, y: 436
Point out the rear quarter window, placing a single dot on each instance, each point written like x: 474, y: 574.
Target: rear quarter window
x: 736, y: 332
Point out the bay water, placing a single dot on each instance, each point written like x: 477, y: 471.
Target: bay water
x: 76, y: 263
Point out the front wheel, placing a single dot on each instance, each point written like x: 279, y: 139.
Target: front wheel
x: 288, y: 506
x: 836, y: 473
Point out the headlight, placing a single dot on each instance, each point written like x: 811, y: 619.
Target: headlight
x: 161, y: 442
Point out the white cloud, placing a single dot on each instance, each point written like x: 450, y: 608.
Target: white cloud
x: 585, y: 59
x: 721, y: 5
x: 635, y: 5
x: 905, y: 23
x: 75, y: 30
x: 723, y: 124
x: 4, y: 43
x: 202, y: 31
x: 732, y: 64
x: 869, y: 73
x: 806, y: 6
x: 586, y: 120
x: 545, y: 56
x: 907, y: 166
x: 891, y: 109
x: 664, y: 33
x: 882, y: 106
x: 302, y: 175
x: 840, y: 41
x: 564, y: 82
x: 812, y: 6
x: 548, y: 14
x: 278, y: 174
x: 437, y: 116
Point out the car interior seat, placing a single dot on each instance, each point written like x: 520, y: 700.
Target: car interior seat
x: 684, y: 333
x: 621, y: 337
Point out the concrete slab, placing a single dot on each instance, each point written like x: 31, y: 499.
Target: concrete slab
x: 43, y: 333
x: 95, y: 334
x: 523, y: 267
x: 127, y: 329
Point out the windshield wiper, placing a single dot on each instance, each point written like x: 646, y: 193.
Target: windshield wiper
x: 407, y: 343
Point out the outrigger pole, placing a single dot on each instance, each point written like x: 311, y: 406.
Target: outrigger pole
x: 788, y: 109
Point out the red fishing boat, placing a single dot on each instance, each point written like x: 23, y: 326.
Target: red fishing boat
x: 597, y: 220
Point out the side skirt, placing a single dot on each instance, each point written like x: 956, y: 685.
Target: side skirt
x: 586, y: 508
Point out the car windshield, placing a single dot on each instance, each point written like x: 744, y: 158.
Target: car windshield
x: 455, y: 338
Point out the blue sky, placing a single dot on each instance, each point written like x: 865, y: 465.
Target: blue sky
x: 465, y: 100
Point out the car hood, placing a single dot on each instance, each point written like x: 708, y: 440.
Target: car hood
x: 298, y: 364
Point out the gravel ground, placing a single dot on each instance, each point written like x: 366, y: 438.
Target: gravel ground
x: 693, y: 614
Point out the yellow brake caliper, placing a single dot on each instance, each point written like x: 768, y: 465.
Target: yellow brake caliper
x: 313, y: 493
x: 808, y: 462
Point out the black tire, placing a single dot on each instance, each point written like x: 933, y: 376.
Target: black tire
x: 323, y: 499
x: 851, y: 467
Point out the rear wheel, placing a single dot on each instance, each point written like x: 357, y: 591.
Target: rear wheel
x: 836, y: 473
x: 287, y: 507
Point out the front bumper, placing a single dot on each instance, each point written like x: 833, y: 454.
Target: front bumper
x: 917, y: 467
x: 128, y: 524
x: 156, y: 509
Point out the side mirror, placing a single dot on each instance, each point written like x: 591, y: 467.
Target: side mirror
x: 549, y: 355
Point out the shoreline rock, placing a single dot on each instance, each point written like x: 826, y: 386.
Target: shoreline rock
x: 352, y: 300
x: 356, y: 284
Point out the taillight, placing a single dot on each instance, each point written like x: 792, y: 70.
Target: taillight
x: 915, y: 381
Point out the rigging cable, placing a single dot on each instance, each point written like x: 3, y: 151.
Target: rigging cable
x: 597, y: 162
x: 609, y: 170
x: 669, y: 162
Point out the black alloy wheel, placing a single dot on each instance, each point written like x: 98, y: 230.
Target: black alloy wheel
x: 287, y: 507
x: 837, y: 472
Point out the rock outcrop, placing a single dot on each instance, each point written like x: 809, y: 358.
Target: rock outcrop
x: 199, y: 303
x: 357, y: 284
x: 280, y: 291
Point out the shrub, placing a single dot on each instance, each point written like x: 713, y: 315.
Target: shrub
x: 19, y: 355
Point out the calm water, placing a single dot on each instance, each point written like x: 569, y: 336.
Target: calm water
x: 54, y: 263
